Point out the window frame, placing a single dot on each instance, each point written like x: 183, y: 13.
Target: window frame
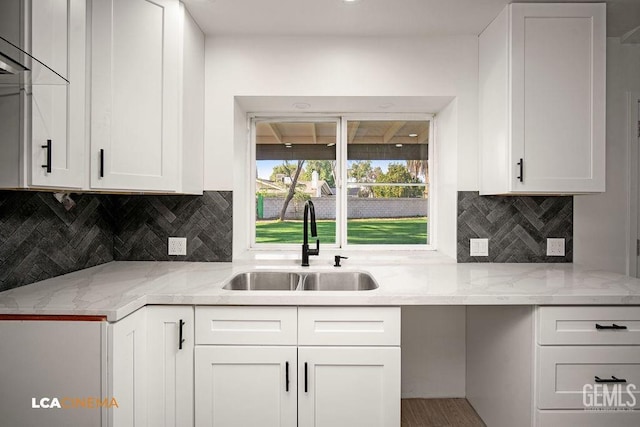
x: 341, y: 120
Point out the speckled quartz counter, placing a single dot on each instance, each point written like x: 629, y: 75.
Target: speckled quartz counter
x: 118, y: 288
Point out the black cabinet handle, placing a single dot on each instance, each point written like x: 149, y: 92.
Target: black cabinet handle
x: 612, y: 380
x: 521, y: 165
x: 306, y: 382
x: 612, y: 327
x: 47, y: 166
x: 286, y: 376
x: 101, y: 163
x: 180, y: 339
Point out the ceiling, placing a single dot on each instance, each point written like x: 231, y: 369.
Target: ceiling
x: 359, y: 132
x: 372, y: 17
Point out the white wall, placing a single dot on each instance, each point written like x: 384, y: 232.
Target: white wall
x: 601, y: 223
x: 327, y: 66
x: 433, y: 351
x: 446, y: 181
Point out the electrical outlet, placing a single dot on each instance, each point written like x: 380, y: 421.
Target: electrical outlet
x: 479, y: 247
x: 555, y: 247
x: 177, y: 245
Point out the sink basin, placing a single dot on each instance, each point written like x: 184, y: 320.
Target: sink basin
x: 264, y: 281
x: 338, y: 281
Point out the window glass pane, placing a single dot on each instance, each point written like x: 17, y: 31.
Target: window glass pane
x: 387, y: 182
x: 295, y: 162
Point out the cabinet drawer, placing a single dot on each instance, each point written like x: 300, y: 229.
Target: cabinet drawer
x: 349, y: 326
x: 246, y: 325
x: 589, y: 325
x: 564, y: 371
x: 588, y: 418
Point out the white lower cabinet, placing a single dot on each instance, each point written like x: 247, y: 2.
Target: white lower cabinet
x: 170, y: 366
x: 588, y: 366
x: 150, y: 370
x: 268, y: 380
x: 127, y: 379
x: 246, y: 386
x: 349, y: 386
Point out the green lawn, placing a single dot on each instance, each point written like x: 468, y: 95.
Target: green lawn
x: 399, y: 231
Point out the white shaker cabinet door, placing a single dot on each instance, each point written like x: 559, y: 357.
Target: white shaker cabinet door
x: 135, y: 94
x: 349, y: 386
x: 170, y: 365
x: 246, y: 386
x: 56, y: 128
x: 558, y: 97
x: 127, y: 349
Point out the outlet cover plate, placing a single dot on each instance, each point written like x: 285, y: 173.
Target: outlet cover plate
x: 555, y: 247
x: 479, y: 247
x: 177, y: 245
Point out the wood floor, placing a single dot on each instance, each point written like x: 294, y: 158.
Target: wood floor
x: 439, y: 413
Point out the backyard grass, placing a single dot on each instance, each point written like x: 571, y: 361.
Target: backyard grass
x: 372, y: 231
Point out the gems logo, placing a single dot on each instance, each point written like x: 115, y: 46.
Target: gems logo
x: 73, y: 403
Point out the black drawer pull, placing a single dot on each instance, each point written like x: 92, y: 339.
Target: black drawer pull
x: 612, y: 380
x: 48, y: 147
x: 521, y: 166
x: 306, y: 382
x: 180, y: 339
x: 286, y: 376
x: 101, y: 163
x: 611, y: 327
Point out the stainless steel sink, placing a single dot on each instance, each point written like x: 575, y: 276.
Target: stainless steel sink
x: 338, y: 281
x: 264, y: 281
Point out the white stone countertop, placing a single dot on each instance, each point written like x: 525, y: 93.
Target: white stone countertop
x: 117, y: 289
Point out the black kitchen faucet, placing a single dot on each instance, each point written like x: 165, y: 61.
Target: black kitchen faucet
x: 306, y: 252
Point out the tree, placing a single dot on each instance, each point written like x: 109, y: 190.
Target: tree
x: 325, y: 168
x: 397, y: 173
x: 418, y: 168
x: 293, y: 172
x: 362, y: 172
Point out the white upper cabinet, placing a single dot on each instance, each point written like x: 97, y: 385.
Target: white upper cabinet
x: 147, y: 97
x: 135, y: 103
x: 57, y: 126
x: 43, y: 120
x: 542, y: 100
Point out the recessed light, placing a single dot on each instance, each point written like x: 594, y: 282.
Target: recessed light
x: 301, y: 105
x: 331, y: 144
x: 399, y: 145
x: 386, y: 105
x: 413, y: 135
x: 287, y: 145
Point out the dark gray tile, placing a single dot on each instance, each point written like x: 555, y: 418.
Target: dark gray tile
x: 517, y: 226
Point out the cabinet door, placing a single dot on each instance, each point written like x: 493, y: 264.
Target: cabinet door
x: 349, y: 386
x: 134, y: 82
x: 170, y: 365
x: 558, y: 97
x: 245, y: 386
x: 127, y: 348
x: 57, y: 111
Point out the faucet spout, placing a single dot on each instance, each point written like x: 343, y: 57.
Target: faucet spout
x: 309, y: 210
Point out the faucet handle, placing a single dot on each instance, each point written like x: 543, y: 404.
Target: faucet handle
x: 337, y: 259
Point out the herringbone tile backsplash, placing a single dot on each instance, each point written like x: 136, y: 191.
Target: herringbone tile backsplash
x: 144, y: 224
x: 40, y: 239
x: 517, y: 227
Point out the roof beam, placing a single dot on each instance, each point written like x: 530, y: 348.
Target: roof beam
x: 276, y: 132
x: 392, y: 131
x: 423, y: 136
x: 353, y: 131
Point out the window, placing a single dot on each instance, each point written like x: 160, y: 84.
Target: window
x: 368, y: 178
